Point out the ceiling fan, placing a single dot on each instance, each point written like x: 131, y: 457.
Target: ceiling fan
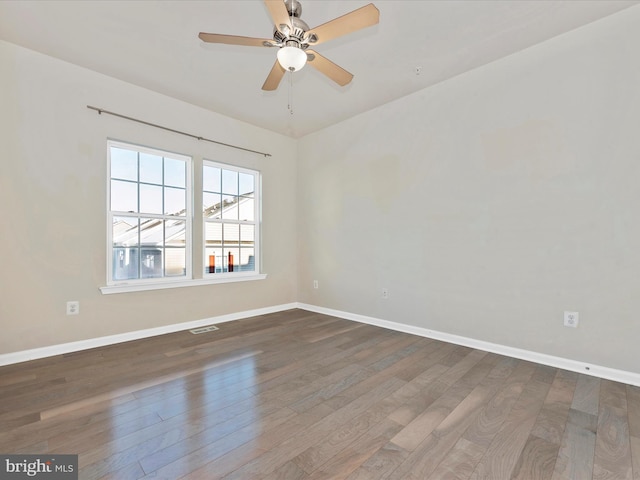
x: 293, y: 37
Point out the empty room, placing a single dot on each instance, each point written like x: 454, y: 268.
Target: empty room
x: 320, y: 239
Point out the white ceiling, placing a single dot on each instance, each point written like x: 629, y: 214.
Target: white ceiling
x: 154, y: 44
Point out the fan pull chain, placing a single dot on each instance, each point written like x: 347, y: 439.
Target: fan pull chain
x: 290, y: 106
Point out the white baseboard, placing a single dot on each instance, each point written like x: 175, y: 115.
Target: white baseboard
x: 50, y: 351
x: 553, y: 361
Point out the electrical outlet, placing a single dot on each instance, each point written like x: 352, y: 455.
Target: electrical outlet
x: 73, y: 308
x: 385, y: 293
x: 315, y: 284
x: 571, y: 319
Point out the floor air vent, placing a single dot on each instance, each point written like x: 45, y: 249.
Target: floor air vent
x: 210, y: 328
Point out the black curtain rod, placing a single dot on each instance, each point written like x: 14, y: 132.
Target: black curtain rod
x: 101, y: 111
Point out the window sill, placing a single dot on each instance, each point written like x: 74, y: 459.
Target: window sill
x: 140, y: 287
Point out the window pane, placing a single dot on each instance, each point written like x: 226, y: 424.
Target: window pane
x: 150, y: 262
x: 175, y: 262
x: 125, y: 263
x: 150, y: 199
x: 124, y: 164
x: 151, y: 168
x: 175, y: 173
x: 229, y: 182
x: 125, y: 232
x: 246, y: 209
x: 229, y: 207
x: 246, y: 184
x: 211, y: 178
x: 175, y: 233
x: 213, y: 261
x: 231, y: 234
x: 124, y: 196
x: 247, y: 260
x: 247, y: 235
x: 211, y: 205
x: 213, y: 234
x: 151, y: 232
x: 230, y: 259
x: 175, y: 201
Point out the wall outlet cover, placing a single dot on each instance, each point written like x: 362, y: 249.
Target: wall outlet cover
x: 571, y: 319
x: 73, y: 308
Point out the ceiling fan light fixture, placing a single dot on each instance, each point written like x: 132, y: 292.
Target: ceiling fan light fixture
x: 293, y: 37
x: 292, y: 58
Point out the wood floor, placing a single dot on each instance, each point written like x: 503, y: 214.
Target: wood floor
x: 298, y: 395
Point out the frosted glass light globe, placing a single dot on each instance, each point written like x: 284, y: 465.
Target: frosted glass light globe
x: 292, y: 58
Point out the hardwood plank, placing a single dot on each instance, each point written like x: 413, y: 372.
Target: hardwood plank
x: 436, y: 446
x: 575, y: 456
x: 330, y: 386
x: 131, y: 471
x: 550, y: 423
x: 348, y: 395
x: 633, y: 410
x: 484, y: 428
x: 460, y: 463
x: 343, y: 436
x: 287, y: 471
x: 429, y: 390
x: 537, y: 460
x: 419, y: 429
x: 635, y: 456
x: 388, y: 459
x: 586, y: 397
x: 612, y: 457
x: 505, y: 449
x: 382, y: 464
x: 161, y: 444
x: 15, y: 378
x: 316, y: 433
x: 349, y: 435
x: 346, y: 461
x: 255, y: 448
x: 464, y: 456
x: 178, y: 459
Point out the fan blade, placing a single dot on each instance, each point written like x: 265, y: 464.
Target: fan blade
x: 274, y: 77
x: 350, y: 22
x: 279, y: 13
x: 235, y: 40
x: 330, y: 69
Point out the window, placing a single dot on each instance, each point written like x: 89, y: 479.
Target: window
x: 230, y: 211
x: 151, y: 220
x: 149, y: 214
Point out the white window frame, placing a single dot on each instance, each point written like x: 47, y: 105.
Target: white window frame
x: 257, y: 222
x: 192, y: 221
x: 151, y: 282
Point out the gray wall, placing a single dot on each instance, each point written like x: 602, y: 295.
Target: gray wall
x: 492, y: 202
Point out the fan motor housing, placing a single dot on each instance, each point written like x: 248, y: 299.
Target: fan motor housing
x: 300, y: 27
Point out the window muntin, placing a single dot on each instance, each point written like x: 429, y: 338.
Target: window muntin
x: 149, y: 214
x: 230, y: 212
